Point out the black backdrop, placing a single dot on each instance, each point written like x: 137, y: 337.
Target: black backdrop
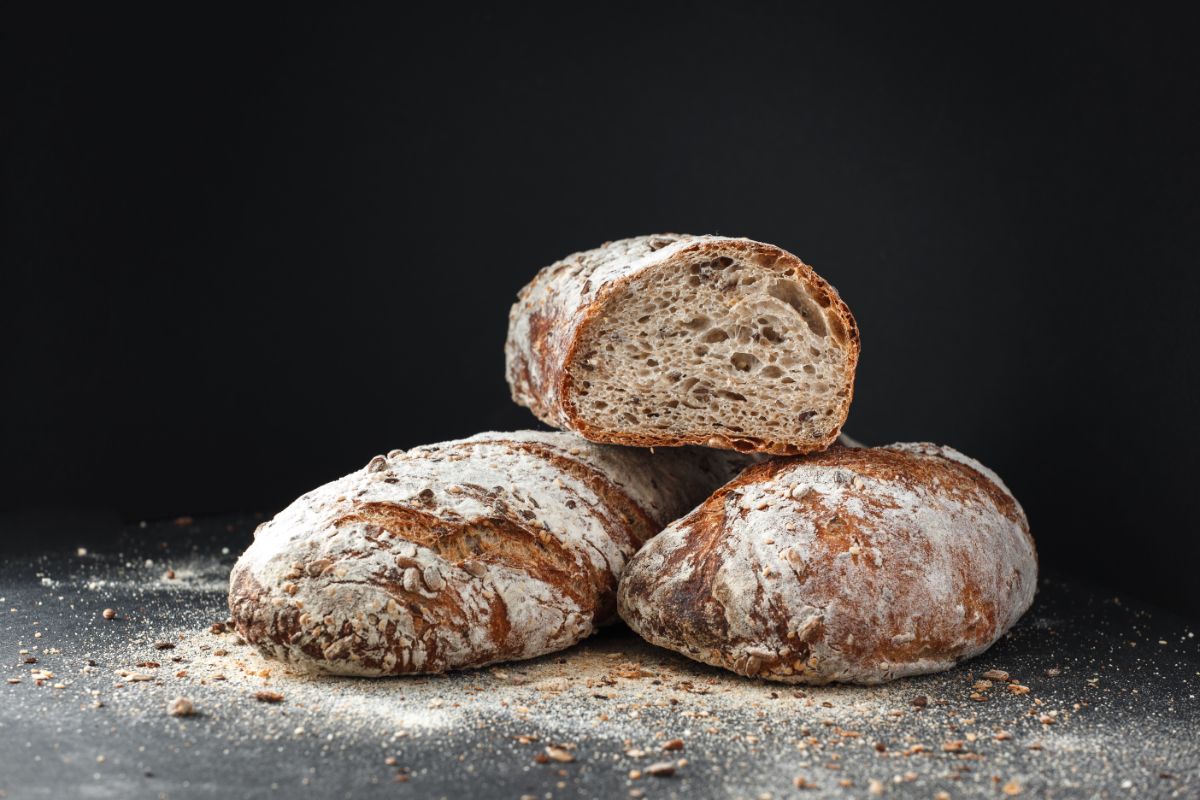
x: 242, y: 255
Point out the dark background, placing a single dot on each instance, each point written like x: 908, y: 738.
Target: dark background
x: 243, y: 255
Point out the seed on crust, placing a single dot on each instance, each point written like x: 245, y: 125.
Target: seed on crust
x: 412, y: 580
x: 433, y: 578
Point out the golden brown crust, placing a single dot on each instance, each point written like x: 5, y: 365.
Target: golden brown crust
x: 555, y: 312
x: 493, y: 548
x: 855, y: 565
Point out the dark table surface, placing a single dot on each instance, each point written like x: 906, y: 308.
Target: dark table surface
x: 1111, y: 708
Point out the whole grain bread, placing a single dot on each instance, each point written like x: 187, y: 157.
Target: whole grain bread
x: 497, y: 547
x: 854, y: 565
x: 671, y: 339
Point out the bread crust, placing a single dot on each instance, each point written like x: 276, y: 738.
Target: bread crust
x: 853, y: 565
x: 498, y: 547
x: 554, y: 311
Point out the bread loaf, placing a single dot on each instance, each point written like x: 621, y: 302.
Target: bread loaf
x: 670, y: 340
x: 855, y: 565
x: 501, y: 546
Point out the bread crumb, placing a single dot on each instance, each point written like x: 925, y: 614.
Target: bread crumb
x: 181, y: 707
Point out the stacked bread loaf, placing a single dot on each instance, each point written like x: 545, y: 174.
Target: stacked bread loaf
x: 671, y: 363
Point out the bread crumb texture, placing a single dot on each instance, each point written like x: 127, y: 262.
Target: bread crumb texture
x: 669, y: 339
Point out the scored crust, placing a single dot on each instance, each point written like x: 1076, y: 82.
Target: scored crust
x: 556, y: 345
x: 498, y: 547
x: 853, y: 565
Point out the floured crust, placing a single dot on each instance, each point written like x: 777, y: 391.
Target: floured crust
x: 853, y: 565
x: 497, y: 547
x: 554, y: 311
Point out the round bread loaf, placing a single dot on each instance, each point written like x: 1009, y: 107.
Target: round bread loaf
x: 670, y: 340
x: 501, y: 546
x: 854, y: 565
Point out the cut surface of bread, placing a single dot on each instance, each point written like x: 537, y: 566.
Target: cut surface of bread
x: 669, y: 340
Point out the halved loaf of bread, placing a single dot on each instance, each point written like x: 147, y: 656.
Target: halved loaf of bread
x: 497, y: 547
x: 671, y: 340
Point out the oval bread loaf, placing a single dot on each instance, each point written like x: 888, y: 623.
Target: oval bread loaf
x: 669, y: 340
x: 501, y: 546
x: 855, y: 565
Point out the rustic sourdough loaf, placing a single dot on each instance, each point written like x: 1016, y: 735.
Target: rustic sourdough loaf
x: 501, y: 546
x: 856, y: 565
x: 669, y: 340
